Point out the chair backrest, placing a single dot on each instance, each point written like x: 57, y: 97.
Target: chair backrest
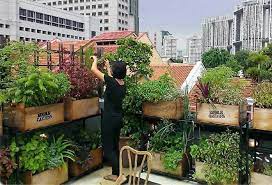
x: 135, y: 170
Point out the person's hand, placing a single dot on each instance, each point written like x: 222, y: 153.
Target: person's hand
x: 94, y: 58
x: 107, y: 63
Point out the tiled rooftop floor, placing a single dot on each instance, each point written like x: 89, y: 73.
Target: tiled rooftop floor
x: 96, y: 178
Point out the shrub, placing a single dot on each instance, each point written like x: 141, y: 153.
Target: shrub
x: 7, y: 165
x: 216, y: 57
x: 39, y: 87
x: 83, y: 83
x: 163, y: 89
x: 221, y: 157
x: 263, y: 95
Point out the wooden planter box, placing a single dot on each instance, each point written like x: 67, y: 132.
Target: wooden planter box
x: 260, y: 179
x: 76, y: 109
x: 157, y: 166
x: 231, y: 115
x: 262, y: 119
x: 165, y: 110
x: 55, y: 176
x: 1, y: 123
x: 97, y: 159
x: 37, y: 117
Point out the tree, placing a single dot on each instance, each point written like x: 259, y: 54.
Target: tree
x: 242, y: 57
x: 215, y: 57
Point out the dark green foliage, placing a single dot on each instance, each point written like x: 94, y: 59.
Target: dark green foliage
x: 215, y: 57
x: 7, y: 165
x: 221, y: 157
x: 39, y: 87
x: 263, y: 95
x: 163, y: 89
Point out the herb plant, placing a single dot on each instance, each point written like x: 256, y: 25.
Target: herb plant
x: 217, y: 86
x: 263, y: 95
x: 7, y: 165
x: 163, y: 89
x: 221, y: 157
x: 83, y: 83
x: 39, y: 87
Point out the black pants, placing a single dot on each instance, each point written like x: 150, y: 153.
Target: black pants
x: 111, y: 126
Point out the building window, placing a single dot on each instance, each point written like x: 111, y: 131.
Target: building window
x: 59, y: 3
x: 59, y: 34
x: 99, y: 6
x: 33, y: 30
x: 63, y: 35
x: 39, y: 31
x: 81, y: 26
x: 27, y: 39
x: 54, y: 33
x: 126, y: 22
x: 101, y: 20
x: 55, y: 21
x: 27, y: 29
x: 88, y: 7
x: 94, y: 14
x: 106, y: 28
x: 88, y: 14
x: 87, y: 1
x: 106, y: 5
x: 76, y: 8
x: 70, y: 8
x: 106, y: 20
x: 119, y: 28
x: 39, y: 17
x: 64, y: 8
x: 22, y: 14
x: 101, y: 28
x: 49, y: 33
x: 30, y: 15
x: 64, y: 2
x: 93, y: 6
x: 76, y: 37
x: 68, y: 24
x: 47, y: 19
x: 120, y: 13
x: 81, y: 7
x: 49, y: 4
x: 106, y: 13
x: 93, y: 33
x: 119, y: 5
x: 44, y: 32
x: 119, y: 20
x: 70, y: 1
x: 72, y: 36
x: 82, y: 1
x: 76, y: 1
x: 7, y: 26
x: 54, y: 3
x: 22, y: 39
x: 99, y: 13
x: 61, y: 23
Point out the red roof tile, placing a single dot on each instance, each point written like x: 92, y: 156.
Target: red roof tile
x: 179, y: 72
x: 112, y: 36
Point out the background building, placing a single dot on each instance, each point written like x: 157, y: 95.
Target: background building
x: 217, y: 32
x: 166, y: 44
x: 194, y: 49
x: 30, y: 21
x: 113, y: 15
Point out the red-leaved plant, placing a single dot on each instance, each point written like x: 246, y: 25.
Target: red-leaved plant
x: 7, y: 165
x: 83, y: 83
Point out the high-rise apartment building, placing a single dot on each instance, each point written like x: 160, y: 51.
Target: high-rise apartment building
x: 113, y: 15
x: 166, y: 44
x: 194, y: 49
x: 250, y: 28
x: 30, y: 21
x: 217, y: 32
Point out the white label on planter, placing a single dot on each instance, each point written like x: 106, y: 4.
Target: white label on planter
x: 216, y: 114
x: 44, y: 116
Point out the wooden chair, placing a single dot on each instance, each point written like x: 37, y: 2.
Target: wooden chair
x: 134, y: 170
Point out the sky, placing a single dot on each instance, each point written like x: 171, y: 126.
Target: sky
x: 182, y: 18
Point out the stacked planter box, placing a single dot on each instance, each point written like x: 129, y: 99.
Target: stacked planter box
x: 230, y: 115
x: 95, y: 161
x: 262, y: 119
x: 157, y: 166
x: 55, y: 176
x: 76, y: 109
x: 166, y: 110
x: 37, y: 117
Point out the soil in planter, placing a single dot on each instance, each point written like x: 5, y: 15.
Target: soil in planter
x: 95, y: 161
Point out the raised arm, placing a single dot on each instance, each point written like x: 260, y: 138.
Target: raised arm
x: 107, y: 62
x: 95, y: 70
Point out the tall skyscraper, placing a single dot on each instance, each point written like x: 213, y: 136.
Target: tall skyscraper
x: 113, y: 15
x: 194, y: 49
x: 166, y: 44
x: 217, y: 32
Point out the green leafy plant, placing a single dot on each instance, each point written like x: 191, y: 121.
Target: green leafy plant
x: 219, y: 87
x: 216, y: 57
x: 263, y: 95
x: 59, y: 150
x: 267, y: 169
x: 39, y: 87
x: 221, y: 157
x: 7, y: 165
x: 163, y: 89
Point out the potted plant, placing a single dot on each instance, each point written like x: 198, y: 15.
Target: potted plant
x: 7, y: 165
x: 168, y: 146
x: 37, y: 97
x: 83, y: 98
x: 221, y: 99
x: 262, y: 175
x: 263, y: 109
x: 43, y: 160
x: 88, y: 152
x: 217, y: 158
x: 161, y: 98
